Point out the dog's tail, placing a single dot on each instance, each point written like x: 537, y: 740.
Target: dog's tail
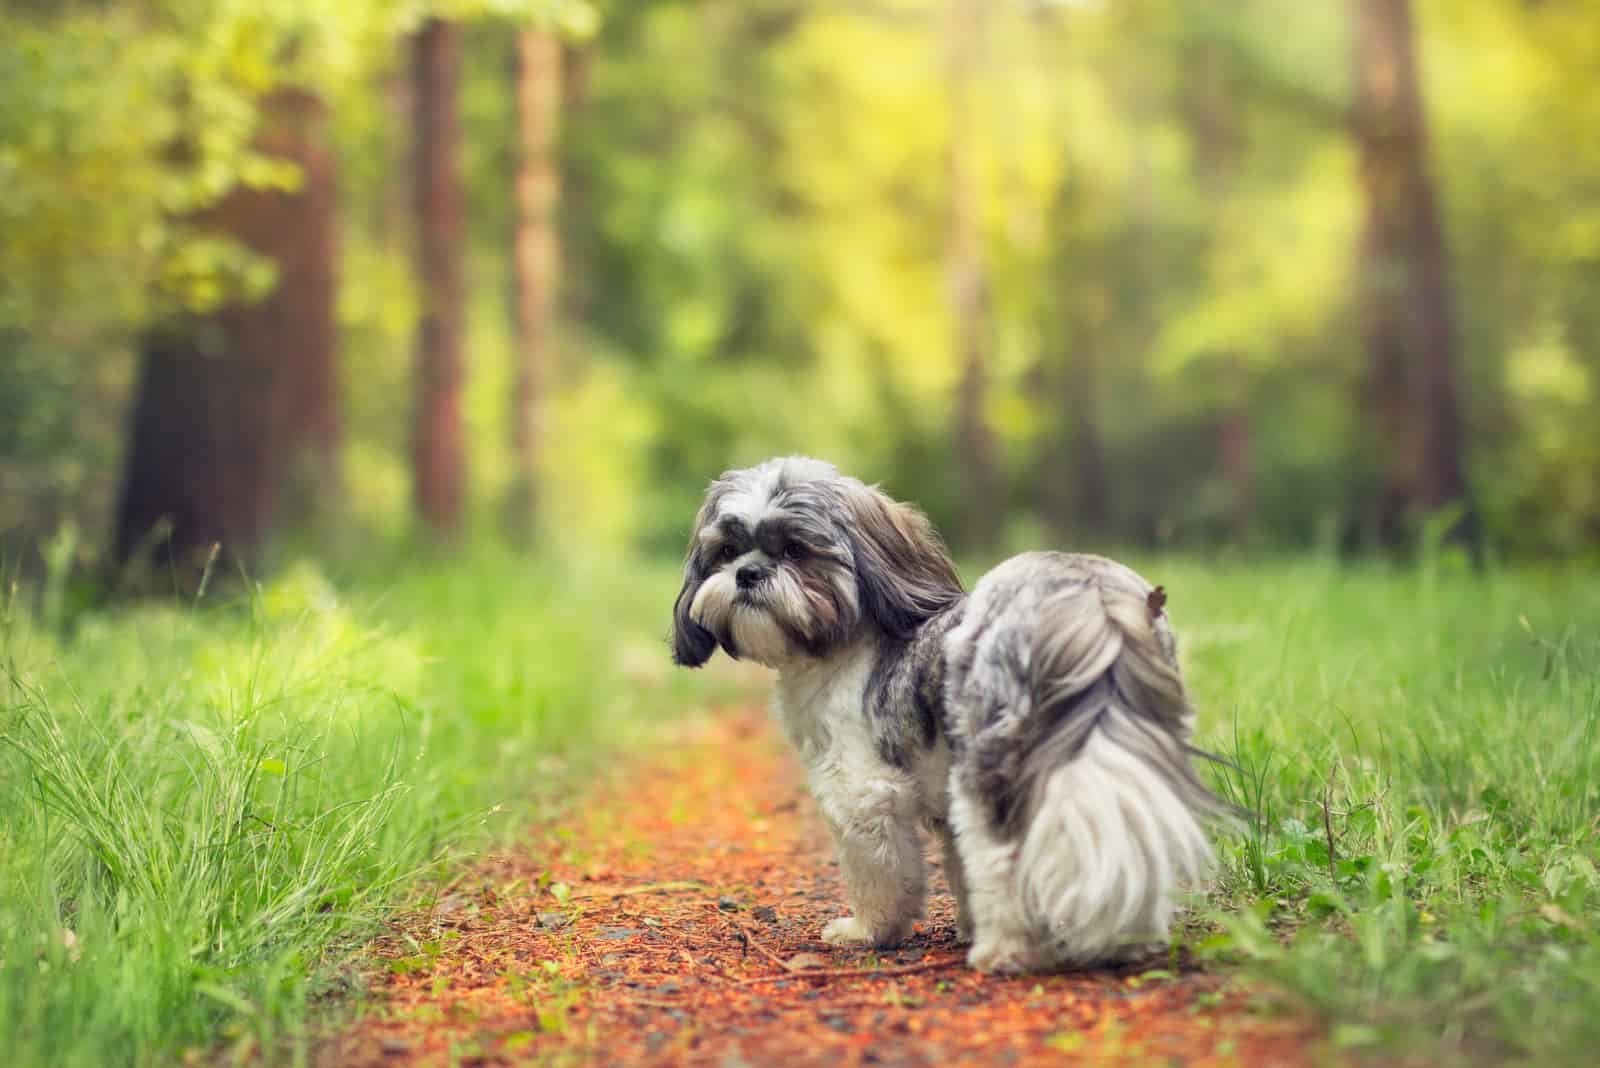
x: 1115, y: 811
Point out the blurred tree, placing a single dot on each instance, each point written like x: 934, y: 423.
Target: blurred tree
x: 1076, y: 493
x: 438, y: 454
x: 1413, y: 395
x: 536, y: 261
x: 983, y: 497
x: 1209, y: 97
x: 230, y: 400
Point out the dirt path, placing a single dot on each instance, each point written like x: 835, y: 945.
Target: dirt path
x: 662, y: 929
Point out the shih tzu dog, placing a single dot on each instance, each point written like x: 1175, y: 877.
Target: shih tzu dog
x: 1038, y: 725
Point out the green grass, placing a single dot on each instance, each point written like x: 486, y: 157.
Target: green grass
x: 1421, y: 753
x: 220, y: 803
x: 202, y: 809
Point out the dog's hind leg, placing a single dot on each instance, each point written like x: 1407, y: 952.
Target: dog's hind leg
x: 955, y: 874
x: 1002, y: 941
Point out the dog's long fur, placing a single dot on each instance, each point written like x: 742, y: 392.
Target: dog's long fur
x: 1039, y: 727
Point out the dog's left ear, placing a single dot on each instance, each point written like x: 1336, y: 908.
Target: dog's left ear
x: 692, y: 644
x: 905, y: 575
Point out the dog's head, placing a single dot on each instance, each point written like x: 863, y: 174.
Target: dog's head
x: 790, y: 558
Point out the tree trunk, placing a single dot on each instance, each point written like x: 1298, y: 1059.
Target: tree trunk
x: 535, y: 257
x: 437, y: 446
x: 1405, y: 267
x: 1088, y: 499
x: 230, y: 403
x: 981, y: 497
x: 1238, y: 469
x: 301, y: 318
x: 1209, y: 113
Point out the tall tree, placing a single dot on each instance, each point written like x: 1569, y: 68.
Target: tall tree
x: 1405, y: 272
x: 536, y: 255
x: 307, y: 297
x: 1209, y: 98
x: 981, y: 494
x: 1088, y: 496
x: 438, y: 454
x: 1075, y: 488
x: 229, y: 402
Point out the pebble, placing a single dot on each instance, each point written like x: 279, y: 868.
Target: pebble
x: 616, y: 934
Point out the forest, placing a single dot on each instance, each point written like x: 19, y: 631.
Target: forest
x: 1136, y: 271
x: 363, y: 363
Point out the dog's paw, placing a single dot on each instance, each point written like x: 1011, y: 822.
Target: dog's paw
x: 1002, y: 957
x: 850, y: 931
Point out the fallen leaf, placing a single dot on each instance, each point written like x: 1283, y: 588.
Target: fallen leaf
x: 802, y: 961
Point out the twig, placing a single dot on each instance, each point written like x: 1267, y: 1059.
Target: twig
x: 656, y: 1004
x: 853, y: 973
x: 1327, y: 820
x: 750, y: 939
x: 648, y: 888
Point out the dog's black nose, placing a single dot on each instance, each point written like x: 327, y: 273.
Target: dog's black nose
x: 749, y: 575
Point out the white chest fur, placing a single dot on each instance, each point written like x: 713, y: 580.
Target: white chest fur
x: 820, y: 704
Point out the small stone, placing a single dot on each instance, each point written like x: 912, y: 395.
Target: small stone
x: 394, y: 1047
x: 449, y: 906
x: 727, y: 904
x: 765, y: 913
x: 554, y: 920
x: 617, y: 934
x: 839, y: 1024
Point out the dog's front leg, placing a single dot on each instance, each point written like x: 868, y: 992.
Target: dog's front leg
x: 875, y: 836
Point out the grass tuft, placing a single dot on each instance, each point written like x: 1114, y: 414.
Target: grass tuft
x: 203, y: 808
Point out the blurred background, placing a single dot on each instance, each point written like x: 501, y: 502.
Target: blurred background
x: 305, y: 276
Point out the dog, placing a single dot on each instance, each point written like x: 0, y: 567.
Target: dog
x: 1038, y: 726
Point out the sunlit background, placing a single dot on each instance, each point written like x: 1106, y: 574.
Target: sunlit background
x: 1126, y: 272
x: 402, y: 337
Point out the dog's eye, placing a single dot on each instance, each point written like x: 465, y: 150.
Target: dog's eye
x: 728, y: 553
x: 794, y: 551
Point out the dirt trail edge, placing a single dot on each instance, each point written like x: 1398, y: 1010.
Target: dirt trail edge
x: 675, y: 922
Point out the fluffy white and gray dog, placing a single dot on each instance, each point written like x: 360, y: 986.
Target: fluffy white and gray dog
x: 1038, y: 726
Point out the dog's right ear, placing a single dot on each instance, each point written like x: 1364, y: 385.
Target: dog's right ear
x: 905, y: 574
x: 692, y: 644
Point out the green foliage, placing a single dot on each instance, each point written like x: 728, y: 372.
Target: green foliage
x: 1417, y: 751
x: 202, y: 808
x: 756, y: 209
x: 220, y: 801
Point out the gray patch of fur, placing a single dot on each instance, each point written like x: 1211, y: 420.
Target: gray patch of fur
x: 905, y: 693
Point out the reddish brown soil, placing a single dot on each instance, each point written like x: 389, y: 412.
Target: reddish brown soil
x: 673, y: 911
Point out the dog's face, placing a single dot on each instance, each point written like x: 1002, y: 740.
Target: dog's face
x: 790, y: 559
